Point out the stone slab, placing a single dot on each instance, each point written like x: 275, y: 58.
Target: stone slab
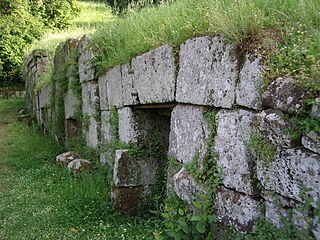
x: 90, y: 98
x: 233, y: 133
x: 130, y: 94
x: 189, y: 133
x: 45, y: 96
x: 249, y: 88
x: 103, y: 92
x: 114, y: 87
x: 86, y: 69
x: 91, y: 133
x: 127, y: 126
x: 106, y: 136
x: 208, y: 71
x: 311, y: 141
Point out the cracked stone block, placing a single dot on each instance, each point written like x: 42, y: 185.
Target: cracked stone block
x: 284, y: 94
x: 248, y: 92
x: 292, y: 170
x: 236, y: 209
x: 189, y: 133
x: 233, y: 133
x: 185, y: 186
x: 130, y: 94
x: 45, y: 96
x: 316, y: 108
x: 114, y: 87
x: 208, y: 72
x: 126, y: 170
x: 271, y: 123
x: 91, y: 131
x: 78, y: 165
x: 154, y: 76
x: 90, y: 98
x: 311, y: 141
x: 85, y: 68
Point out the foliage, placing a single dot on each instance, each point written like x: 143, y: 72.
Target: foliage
x: 23, y: 21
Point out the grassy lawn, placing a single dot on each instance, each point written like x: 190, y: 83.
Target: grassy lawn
x: 39, y: 200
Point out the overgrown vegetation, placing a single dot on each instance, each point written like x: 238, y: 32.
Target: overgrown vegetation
x: 21, y: 22
x: 45, y: 201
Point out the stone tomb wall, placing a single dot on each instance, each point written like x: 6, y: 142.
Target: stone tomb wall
x: 156, y: 93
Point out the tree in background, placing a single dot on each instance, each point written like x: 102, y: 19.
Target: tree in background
x: 22, y: 21
x: 120, y: 6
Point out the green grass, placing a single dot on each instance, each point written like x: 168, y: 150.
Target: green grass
x: 39, y: 200
x: 262, y: 25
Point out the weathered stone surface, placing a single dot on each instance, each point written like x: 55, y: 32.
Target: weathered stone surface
x: 114, y: 86
x: 185, y: 187
x: 130, y: 94
x: 103, y: 92
x: 316, y: 108
x: 85, y: 69
x: 290, y: 171
x: 90, y: 98
x: 126, y: 171
x: 66, y: 157
x: 248, y: 92
x: 78, y: 165
x: 154, y: 75
x: 45, y: 96
x: 127, y: 199
x: 106, y: 135
x: 208, y: 72
x: 70, y: 104
x: 189, y: 133
x: 311, y: 141
x: 284, y: 94
x: 271, y: 123
x: 127, y: 126
x: 236, y: 209
x: 90, y: 132
x: 233, y: 134
x: 316, y: 227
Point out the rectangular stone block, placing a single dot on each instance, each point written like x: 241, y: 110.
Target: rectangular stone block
x: 208, y: 72
x: 91, y: 132
x: 45, y: 96
x: 90, y: 98
x: 189, y: 133
x: 114, y: 87
x: 86, y: 69
x: 106, y: 136
x: 70, y: 104
x: 130, y: 94
x: 292, y: 170
x: 249, y: 88
x: 233, y: 134
x: 154, y: 76
x: 103, y: 92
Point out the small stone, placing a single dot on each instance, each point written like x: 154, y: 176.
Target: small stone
x: 284, y: 94
x: 236, y: 209
x: 66, y: 157
x: 311, y: 141
x: 79, y: 165
x: 185, y: 187
x: 250, y: 83
x: 271, y: 124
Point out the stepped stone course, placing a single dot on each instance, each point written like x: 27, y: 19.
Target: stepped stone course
x: 233, y: 134
x: 208, y: 72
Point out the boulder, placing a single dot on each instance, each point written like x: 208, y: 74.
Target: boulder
x: 79, y: 165
x: 208, y: 72
x: 66, y: 157
x: 311, y: 141
x: 233, y: 133
x: 189, y: 133
x: 249, y: 88
x: 284, y: 94
x: 236, y: 209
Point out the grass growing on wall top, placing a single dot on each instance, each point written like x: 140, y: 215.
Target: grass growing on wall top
x: 256, y: 22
